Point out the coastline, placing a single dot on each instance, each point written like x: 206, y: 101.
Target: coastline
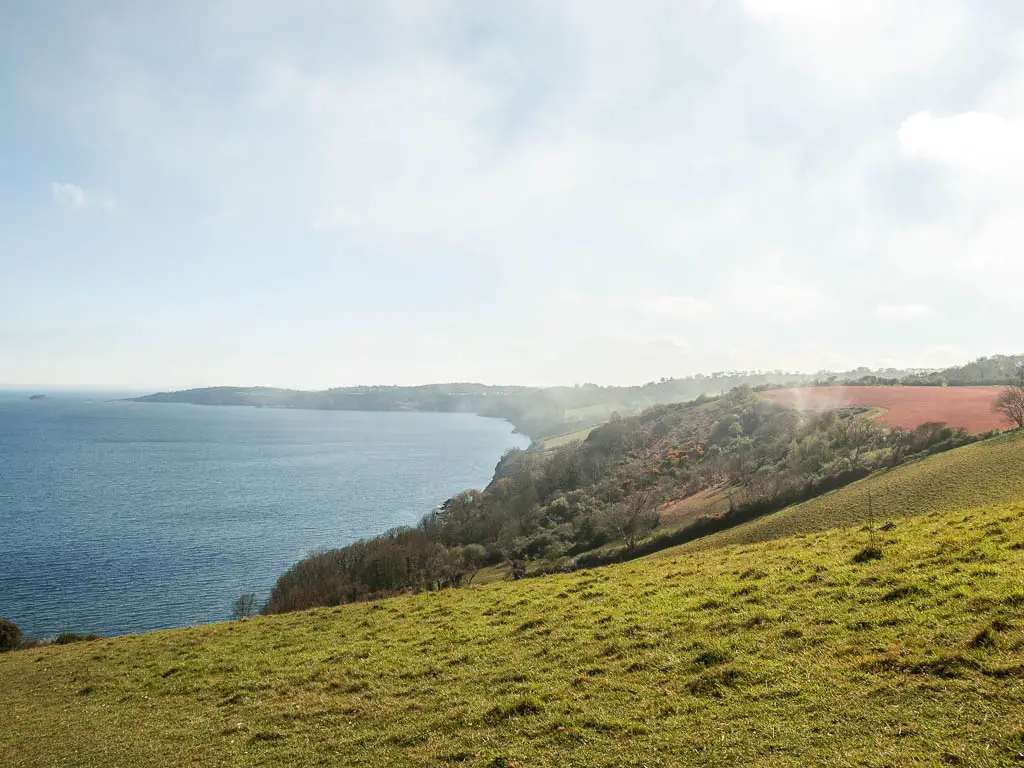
x: 234, y: 496
x: 517, y: 429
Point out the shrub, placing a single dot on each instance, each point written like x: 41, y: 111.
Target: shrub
x: 64, y: 638
x: 986, y: 638
x: 712, y: 657
x: 716, y: 682
x: 10, y: 636
x: 867, y: 554
x: 521, y: 708
x: 899, y: 593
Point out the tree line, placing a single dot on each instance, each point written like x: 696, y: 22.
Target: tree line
x: 545, y: 511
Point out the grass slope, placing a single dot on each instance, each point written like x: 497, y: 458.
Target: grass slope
x: 710, y: 501
x: 784, y: 653
x: 570, y: 437
x: 988, y: 472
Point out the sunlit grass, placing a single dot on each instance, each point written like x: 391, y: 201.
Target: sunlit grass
x: 982, y: 473
x: 786, y: 652
x: 570, y: 437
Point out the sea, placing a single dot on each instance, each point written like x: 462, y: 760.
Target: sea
x: 120, y: 517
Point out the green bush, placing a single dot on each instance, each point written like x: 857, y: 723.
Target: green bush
x: 867, y: 554
x: 64, y: 638
x: 10, y: 636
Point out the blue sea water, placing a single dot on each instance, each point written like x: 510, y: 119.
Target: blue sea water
x: 127, y: 517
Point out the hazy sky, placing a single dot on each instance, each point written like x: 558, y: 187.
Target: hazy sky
x: 322, y: 193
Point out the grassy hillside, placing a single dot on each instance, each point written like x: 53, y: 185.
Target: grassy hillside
x: 678, y: 512
x: 783, y: 653
x: 592, y: 502
x: 988, y: 472
x: 570, y: 437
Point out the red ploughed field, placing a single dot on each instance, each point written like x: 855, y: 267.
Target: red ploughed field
x: 908, y: 407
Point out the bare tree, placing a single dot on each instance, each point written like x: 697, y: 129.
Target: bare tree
x: 246, y: 605
x: 631, y: 518
x: 1010, y: 402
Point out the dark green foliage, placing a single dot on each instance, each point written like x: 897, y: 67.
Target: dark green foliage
x: 10, y: 636
x: 521, y: 708
x: 472, y: 558
x: 868, y: 554
x: 716, y: 682
x: 64, y: 638
x: 986, y: 638
x: 712, y: 657
x: 902, y: 593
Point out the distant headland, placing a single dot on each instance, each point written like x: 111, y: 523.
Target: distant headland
x: 536, y: 412
x: 541, y: 412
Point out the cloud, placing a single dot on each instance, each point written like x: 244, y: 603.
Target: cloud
x: 679, y: 307
x: 902, y: 311
x: 74, y: 197
x: 768, y: 289
x: 861, y: 52
x: 68, y: 195
x: 979, y: 142
x: 980, y: 155
x: 730, y: 181
x: 816, y: 11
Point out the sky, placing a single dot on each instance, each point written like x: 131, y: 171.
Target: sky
x: 313, y: 194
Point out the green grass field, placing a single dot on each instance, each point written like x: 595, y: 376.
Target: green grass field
x: 570, y: 437
x: 983, y: 473
x: 782, y: 653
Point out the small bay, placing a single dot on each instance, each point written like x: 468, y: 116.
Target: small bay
x: 127, y: 517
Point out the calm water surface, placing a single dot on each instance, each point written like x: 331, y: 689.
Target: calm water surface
x: 128, y: 517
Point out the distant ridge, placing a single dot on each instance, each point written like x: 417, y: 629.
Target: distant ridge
x: 540, y: 412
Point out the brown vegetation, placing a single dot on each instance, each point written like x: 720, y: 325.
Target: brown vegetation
x: 907, y: 407
x: 1010, y: 403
